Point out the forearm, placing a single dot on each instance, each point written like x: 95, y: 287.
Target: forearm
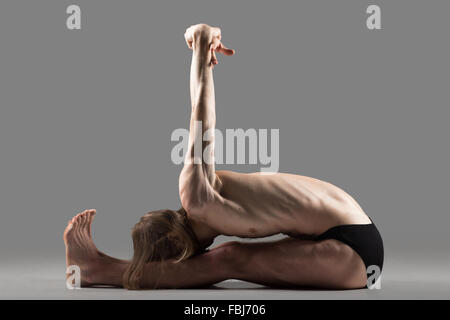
x: 202, y: 270
x: 202, y: 92
x: 201, y: 76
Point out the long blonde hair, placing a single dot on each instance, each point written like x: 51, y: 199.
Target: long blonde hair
x: 159, y: 235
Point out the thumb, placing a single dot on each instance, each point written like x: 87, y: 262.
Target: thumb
x: 224, y: 50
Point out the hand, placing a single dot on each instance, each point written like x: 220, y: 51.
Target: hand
x: 196, y: 33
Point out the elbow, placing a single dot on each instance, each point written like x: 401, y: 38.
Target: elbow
x: 195, y: 199
x: 191, y: 204
x: 187, y: 205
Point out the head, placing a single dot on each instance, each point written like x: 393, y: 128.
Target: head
x: 160, y: 235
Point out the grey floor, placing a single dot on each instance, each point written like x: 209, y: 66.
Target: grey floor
x: 405, y: 276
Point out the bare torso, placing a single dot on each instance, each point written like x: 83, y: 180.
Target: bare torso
x: 258, y: 205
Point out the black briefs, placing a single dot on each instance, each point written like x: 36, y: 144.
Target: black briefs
x: 363, y: 238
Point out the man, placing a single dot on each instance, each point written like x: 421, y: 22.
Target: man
x: 332, y: 241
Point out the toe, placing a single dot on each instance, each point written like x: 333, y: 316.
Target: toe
x: 81, y: 219
x: 90, y: 219
x: 89, y: 216
x: 76, y: 220
x: 88, y: 224
x: 68, y: 229
x: 84, y: 219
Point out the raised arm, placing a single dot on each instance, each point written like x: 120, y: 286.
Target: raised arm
x: 198, y: 183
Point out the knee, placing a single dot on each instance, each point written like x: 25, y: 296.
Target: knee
x: 343, y: 266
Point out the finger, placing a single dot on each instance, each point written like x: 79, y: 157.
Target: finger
x: 215, y: 43
x: 188, y: 38
x: 188, y: 41
x: 224, y: 50
x: 213, y: 58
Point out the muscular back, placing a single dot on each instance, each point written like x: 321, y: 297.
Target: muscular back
x: 258, y: 205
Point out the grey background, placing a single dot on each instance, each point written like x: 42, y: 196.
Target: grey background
x: 86, y: 116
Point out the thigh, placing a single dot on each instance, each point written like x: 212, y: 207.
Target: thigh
x: 292, y: 262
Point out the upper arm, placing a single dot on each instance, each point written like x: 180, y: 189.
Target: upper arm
x: 195, y: 190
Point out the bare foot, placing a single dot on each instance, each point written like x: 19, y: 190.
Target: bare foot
x: 81, y: 250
